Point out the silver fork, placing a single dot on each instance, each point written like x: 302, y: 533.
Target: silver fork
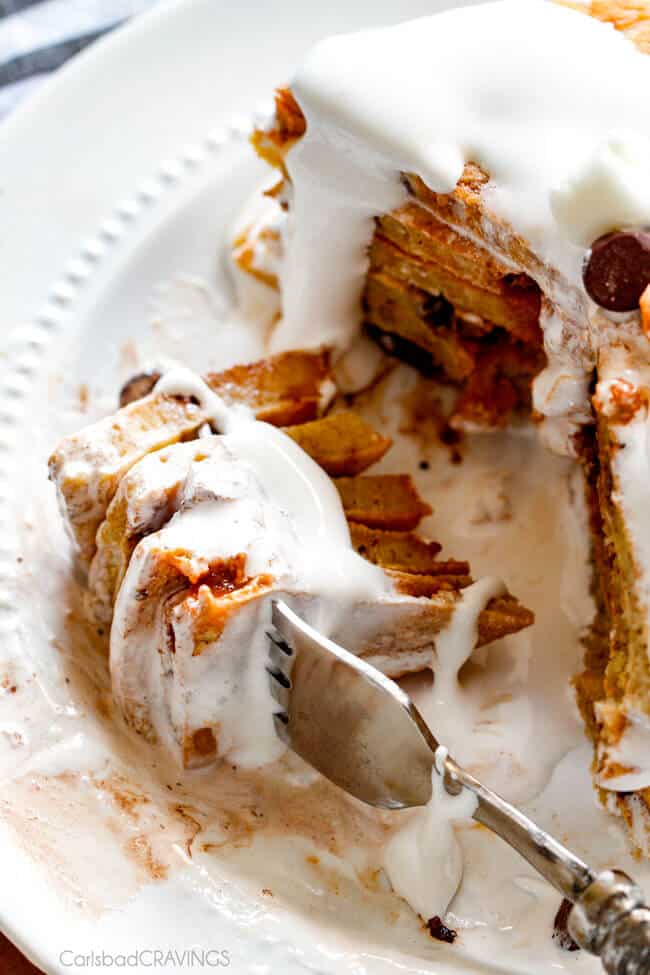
x: 359, y: 729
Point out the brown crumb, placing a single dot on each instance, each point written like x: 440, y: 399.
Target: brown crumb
x: 204, y: 741
x: 267, y: 892
x: 449, y: 437
x: 452, y: 438
x: 82, y: 393
x: 561, y: 935
x: 438, y: 930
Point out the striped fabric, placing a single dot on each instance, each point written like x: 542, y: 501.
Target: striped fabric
x: 38, y: 36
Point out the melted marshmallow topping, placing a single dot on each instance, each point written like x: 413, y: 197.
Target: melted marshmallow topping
x: 251, y: 491
x: 423, y: 859
x: 446, y: 711
x: 516, y: 87
x: 297, y: 487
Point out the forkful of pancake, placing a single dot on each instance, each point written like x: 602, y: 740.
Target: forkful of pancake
x: 118, y: 482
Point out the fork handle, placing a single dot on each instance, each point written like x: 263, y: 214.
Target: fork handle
x: 609, y: 917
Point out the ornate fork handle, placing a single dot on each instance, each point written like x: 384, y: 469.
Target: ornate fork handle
x: 609, y: 917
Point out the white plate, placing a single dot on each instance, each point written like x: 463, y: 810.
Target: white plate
x: 100, y: 849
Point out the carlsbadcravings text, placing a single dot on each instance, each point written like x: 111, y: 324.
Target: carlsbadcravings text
x: 154, y: 958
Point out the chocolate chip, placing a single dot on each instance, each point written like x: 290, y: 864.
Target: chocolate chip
x: 449, y: 436
x: 440, y: 931
x: 137, y: 387
x: 617, y: 269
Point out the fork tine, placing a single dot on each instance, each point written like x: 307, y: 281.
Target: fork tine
x: 280, y: 659
x: 281, y: 720
x: 278, y: 641
x: 279, y: 689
